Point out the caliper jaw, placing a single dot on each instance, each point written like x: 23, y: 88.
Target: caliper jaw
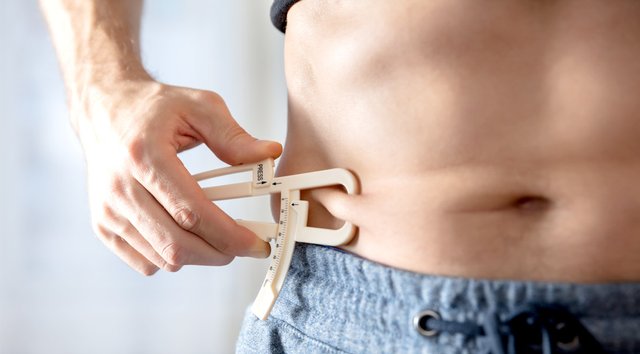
x: 292, y: 223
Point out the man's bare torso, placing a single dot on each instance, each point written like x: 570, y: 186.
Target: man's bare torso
x: 497, y: 140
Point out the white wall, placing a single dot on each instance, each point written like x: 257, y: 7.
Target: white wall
x: 61, y: 291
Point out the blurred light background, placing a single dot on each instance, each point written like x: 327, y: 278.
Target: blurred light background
x: 61, y: 290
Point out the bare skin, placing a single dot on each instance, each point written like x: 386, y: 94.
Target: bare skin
x: 145, y: 205
x: 491, y: 140
x: 495, y: 140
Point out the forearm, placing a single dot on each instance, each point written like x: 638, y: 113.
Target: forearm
x: 145, y: 204
x: 97, y: 42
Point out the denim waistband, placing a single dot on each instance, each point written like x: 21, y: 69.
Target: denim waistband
x: 355, y: 305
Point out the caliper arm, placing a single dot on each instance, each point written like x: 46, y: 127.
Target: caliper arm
x: 292, y: 222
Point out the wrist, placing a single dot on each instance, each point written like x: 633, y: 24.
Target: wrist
x: 103, y: 92
x: 104, y: 77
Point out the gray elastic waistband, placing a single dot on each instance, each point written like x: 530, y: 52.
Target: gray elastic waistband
x: 350, y: 302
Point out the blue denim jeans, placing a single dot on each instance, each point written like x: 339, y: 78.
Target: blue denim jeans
x: 335, y: 302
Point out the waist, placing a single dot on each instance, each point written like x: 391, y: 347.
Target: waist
x: 575, y: 221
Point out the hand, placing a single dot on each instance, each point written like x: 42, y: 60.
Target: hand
x: 145, y: 205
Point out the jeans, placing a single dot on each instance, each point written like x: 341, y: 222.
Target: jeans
x: 336, y: 302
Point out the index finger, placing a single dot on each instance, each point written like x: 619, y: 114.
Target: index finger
x: 167, y: 179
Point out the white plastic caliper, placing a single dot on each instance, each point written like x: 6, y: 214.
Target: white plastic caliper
x: 292, y: 225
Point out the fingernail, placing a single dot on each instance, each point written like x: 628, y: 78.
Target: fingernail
x: 260, y: 250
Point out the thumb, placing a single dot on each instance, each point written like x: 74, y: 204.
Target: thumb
x: 231, y: 143
x: 240, y: 147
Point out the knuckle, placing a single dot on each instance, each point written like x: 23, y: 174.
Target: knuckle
x: 141, y: 158
x: 171, y: 267
x: 98, y: 229
x: 224, y: 246
x: 235, y: 134
x: 137, y: 150
x: 106, y: 215
x: 174, y: 254
x: 235, y: 138
x: 106, y: 212
x: 118, y: 192
x: 124, y: 229
x: 116, y: 188
x: 209, y: 97
x: 187, y: 218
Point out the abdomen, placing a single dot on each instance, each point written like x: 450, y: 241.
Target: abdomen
x: 490, y: 141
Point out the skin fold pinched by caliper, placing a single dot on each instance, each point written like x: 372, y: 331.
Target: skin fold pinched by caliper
x: 292, y: 224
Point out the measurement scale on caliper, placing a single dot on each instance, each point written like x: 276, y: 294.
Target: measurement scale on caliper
x: 292, y: 224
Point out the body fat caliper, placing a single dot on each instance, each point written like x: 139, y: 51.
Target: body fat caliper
x: 292, y: 224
